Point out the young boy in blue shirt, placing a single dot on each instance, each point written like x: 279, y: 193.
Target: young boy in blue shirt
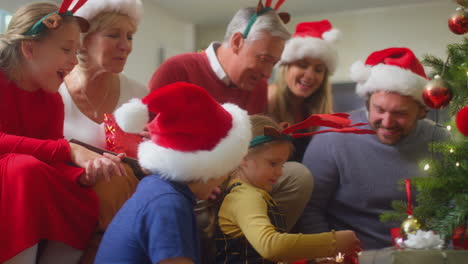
x: 195, y: 142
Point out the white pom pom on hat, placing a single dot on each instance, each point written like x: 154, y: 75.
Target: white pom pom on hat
x: 133, y: 116
x: 359, y: 71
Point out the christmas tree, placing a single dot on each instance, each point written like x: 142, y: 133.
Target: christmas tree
x: 442, y: 196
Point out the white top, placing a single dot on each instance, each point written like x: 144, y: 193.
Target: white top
x: 79, y: 126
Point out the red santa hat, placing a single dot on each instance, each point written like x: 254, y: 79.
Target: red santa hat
x: 131, y: 8
x: 313, y: 40
x: 392, y: 70
x: 193, y: 137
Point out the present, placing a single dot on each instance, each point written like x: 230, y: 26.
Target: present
x: 119, y: 141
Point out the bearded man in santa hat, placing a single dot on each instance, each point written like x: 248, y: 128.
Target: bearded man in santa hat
x: 356, y: 177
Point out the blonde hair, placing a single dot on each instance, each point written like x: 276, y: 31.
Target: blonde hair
x: 259, y: 122
x: 319, y: 102
x: 101, y: 22
x: 10, y: 42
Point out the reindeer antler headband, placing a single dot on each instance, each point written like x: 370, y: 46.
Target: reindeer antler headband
x: 262, y: 10
x: 339, y: 122
x: 54, y: 19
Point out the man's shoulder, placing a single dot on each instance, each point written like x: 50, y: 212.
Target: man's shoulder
x: 435, y: 131
x: 184, y: 58
x: 358, y: 115
x: 332, y: 141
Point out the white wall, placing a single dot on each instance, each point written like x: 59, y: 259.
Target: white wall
x: 420, y: 27
x: 12, y: 5
x: 158, y: 29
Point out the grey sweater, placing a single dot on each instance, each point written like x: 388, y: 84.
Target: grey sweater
x: 356, y: 176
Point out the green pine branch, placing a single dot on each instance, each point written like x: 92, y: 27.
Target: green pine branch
x: 453, y: 71
x: 442, y: 195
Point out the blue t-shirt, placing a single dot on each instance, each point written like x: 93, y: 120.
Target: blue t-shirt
x: 156, y: 223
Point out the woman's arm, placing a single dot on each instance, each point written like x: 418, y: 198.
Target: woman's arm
x: 45, y: 150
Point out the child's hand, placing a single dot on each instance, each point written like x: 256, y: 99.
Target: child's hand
x: 347, y: 243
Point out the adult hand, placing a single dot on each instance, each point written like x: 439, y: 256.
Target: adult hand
x: 96, y: 166
x: 347, y: 243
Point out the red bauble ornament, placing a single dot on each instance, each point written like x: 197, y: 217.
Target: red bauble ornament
x: 462, y: 121
x: 458, y: 22
x: 436, y: 95
x: 460, y: 238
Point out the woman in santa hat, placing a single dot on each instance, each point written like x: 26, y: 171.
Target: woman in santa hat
x: 302, y: 87
x: 96, y: 87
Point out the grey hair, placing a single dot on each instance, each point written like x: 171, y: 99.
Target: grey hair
x: 267, y: 22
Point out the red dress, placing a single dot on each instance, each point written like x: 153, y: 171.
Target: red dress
x: 39, y: 194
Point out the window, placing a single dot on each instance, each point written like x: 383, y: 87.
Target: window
x: 5, y: 18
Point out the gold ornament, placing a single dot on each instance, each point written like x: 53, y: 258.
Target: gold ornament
x: 409, y: 226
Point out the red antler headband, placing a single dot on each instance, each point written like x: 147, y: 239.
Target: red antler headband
x: 339, y: 122
x: 285, y: 17
x: 54, y: 19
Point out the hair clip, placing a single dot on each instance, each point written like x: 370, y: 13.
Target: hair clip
x: 339, y: 122
x: 54, y: 19
x: 284, y: 16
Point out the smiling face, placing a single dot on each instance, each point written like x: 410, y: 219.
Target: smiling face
x: 264, y: 167
x: 304, y: 77
x: 107, y: 48
x: 393, y: 116
x: 48, y: 60
x: 253, y: 60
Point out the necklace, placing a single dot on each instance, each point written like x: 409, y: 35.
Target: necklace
x: 96, y: 109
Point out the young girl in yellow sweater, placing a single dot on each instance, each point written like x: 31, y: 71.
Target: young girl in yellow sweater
x: 249, y: 227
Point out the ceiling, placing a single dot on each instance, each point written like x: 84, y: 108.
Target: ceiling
x: 204, y: 12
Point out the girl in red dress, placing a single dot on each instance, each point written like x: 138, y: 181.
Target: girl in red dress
x: 44, y: 179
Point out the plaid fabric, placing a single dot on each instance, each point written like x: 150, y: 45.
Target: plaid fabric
x: 238, y: 250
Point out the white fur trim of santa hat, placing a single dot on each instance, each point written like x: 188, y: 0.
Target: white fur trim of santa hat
x: 201, y: 165
x: 306, y: 47
x: 389, y: 78
x: 131, y: 8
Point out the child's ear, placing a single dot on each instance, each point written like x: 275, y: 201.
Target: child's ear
x: 243, y: 162
x: 27, y: 49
